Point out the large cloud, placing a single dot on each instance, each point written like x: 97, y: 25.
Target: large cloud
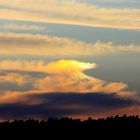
x: 59, y: 76
x: 71, y: 104
x: 63, y: 89
x: 43, y: 45
x: 70, y: 12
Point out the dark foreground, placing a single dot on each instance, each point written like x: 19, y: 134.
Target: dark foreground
x: 124, y: 125
x: 69, y: 123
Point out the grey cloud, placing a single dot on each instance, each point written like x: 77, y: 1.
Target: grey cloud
x: 65, y: 104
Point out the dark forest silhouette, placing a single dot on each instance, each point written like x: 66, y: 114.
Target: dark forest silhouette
x: 113, y: 122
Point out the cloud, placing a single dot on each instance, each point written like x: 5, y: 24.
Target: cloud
x: 63, y: 90
x: 68, y: 67
x: 13, y: 78
x: 43, y: 45
x: 23, y: 65
x: 69, y: 76
x: 22, y: 27
x: 70, y: 12
x: 59, y: 76
x: 71, y: 104
x: 114, y: 1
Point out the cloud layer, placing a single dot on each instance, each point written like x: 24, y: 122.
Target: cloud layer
x: 44, y: 45
x: 71, y: 104
x: 70, y: 12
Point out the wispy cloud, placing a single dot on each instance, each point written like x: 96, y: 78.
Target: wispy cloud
x: 14, y: 78
x: 21, y: 27
x: 43, y: 45
x: 70, y: 12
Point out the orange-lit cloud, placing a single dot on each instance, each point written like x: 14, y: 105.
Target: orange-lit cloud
x: 43, y: 45
x: 70, y: 12
x: 69, y: 76
x: 64, y: 76
x: 23, y: 27
x: 21, y: 65
x: 14, y: 78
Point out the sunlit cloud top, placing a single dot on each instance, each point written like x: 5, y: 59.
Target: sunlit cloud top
x: 64, y: 76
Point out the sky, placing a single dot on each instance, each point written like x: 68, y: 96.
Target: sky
x: 69, y: 58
